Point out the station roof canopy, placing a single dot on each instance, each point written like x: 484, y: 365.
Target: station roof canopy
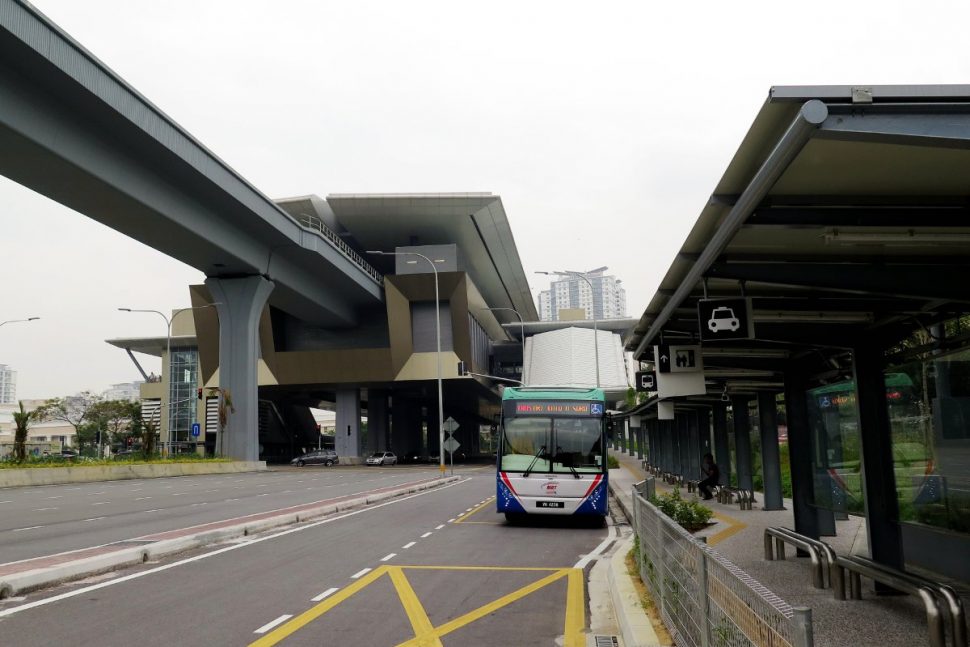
x: 844, y: 215
x: 152, y: 345
x: 475, y: 222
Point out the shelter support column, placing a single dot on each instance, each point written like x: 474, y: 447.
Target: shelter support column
x: 641, y: 440
x: 669, y: 447
x: 347, y: 432
x: 240, y: 303
x: 742, y: 441
x: 683, y: 449
x: 693, y: 445
x: 722, y: 451
x: 770, y: 458
x: 882, y: 506
x: 703, y: 434
x: 807, y: 517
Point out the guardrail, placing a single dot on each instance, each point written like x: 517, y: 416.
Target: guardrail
x: 315, y: 224
x: 705, y: 600
x: 780, y: 537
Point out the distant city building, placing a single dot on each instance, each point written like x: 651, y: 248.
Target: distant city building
x: 130, y: 391
x: 8, y: 385
x: 570, y: 293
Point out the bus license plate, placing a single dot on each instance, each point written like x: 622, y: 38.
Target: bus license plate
x: 550, y: 504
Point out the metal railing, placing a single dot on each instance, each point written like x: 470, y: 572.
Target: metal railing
x: 705, y: 600
x: 315, y: 224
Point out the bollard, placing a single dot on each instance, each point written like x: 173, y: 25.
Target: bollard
x: 802, y: 624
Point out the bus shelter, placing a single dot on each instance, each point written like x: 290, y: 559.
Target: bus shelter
x: 824, y: 288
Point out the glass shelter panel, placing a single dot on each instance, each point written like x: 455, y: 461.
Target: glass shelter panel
x: 837, y: 457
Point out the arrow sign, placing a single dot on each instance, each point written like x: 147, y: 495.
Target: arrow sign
x: 451, y: 425
x: 663, y: 358
x: 451, y: 445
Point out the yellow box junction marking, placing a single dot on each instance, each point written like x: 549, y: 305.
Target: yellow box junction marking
x: 462, y: 517
x: 426, y: 634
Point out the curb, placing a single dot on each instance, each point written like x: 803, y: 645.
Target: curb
x: 27, y: 581
x: 35, y: 476
x: 635, y: 626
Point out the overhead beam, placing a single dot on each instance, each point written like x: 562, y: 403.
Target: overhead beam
x: 912, y: 216
x: 943, y: 127
x: 908, y: 281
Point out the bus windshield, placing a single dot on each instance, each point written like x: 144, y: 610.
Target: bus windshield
x: 557, y: 445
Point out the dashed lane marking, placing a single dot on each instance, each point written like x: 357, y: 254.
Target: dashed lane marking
x: 409, y: 544
x: 463, y: 518
x: 360, y: 573
x: 389, y: 556
x: 439, y: 527
x: 27, y: 528
x: 327, y: 593
x: 95, y: 519
x: 427, y: 534
x: 269, y: 625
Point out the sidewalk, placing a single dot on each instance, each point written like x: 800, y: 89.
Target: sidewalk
x: 739, y: 536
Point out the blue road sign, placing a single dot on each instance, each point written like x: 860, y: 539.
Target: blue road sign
x: 196, y: 429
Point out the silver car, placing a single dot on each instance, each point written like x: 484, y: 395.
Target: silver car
x: 381, y: 458
x: 326, y: 457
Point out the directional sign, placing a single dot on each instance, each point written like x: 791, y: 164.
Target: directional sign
x: 196, y: 429
x: 679, y: 359
x: 720, y: 319
x: 684, y: 373
x: 646, y: 381
x: 451, y: 445
x: 451, y: 425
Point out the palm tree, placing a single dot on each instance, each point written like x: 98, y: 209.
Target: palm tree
x: 22, y: 420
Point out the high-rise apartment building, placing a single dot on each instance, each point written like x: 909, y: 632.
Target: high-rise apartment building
x: 607, y: 297
x: 8, y: 385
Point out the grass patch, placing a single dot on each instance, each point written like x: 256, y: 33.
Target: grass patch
x: 646, y: 600
x: 50, y: 461
x: 611, y: 462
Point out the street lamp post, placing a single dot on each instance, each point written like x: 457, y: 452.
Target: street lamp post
x: 437, y: 329
x: 4, y: 323
x: 596, y: 346
x: 168, y: 353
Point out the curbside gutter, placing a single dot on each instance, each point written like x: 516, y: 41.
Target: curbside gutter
x: 86, y: 474
x: 26, y: 581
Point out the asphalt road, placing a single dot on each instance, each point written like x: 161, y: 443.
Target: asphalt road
x: 439, y: 565
x: 37, y: 521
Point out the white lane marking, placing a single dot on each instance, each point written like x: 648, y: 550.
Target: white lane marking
x: 59, y: 496
x: 451, y: 521
x: 152, y: 510
x: 216, y: 490
x: 137, y: 489
x: 196, y: 558
x: 469, y: 509
x: 44, y: 509
x: 286, y: 491
x: 96, y: 493
x: 263, y: 494
x: 73, y: 488
x: 360, y: 573
x: 198, y: 504
x: 439, y: 527
x: 6, y: 501
x: 180, y: 494
x: 409, y: 544
x: 230, y: 500
x: 388, y: 556
x: 27, y: 528
x: 427, y: 534
x: 330, y: 591
x: 269, y: 625
x: 610, y: 536
x: 101, y: 503
x: 141, y: 498
x: 94, y: 519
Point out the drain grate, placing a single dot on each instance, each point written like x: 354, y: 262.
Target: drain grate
x: 605, y: 641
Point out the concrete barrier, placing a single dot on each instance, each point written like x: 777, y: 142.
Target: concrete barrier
x: 89, y: 473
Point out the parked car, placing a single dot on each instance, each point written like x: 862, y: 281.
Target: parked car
x: 382, y: 458
x: 326, y: 457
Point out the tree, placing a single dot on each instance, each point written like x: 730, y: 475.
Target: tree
x: 115, y: 418
x: 22, y: 421
x: 75, y: 410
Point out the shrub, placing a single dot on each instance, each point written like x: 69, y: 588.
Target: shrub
x: 690, y: 514
x: 611, y: 462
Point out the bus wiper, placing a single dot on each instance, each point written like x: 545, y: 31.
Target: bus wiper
x: 534, y: 459
x: 570, y: 465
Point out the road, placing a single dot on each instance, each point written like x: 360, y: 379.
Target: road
x: 435, y: 568
x: 36, y: 521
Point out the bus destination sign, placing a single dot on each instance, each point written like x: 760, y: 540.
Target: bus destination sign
x: 540, y: 408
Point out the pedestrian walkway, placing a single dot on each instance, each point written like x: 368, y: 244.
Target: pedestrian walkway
x: 896, y: 621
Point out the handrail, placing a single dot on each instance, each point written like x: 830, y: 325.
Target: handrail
x: 781, y: 538
x: 906, y: 582
x: 317, y: 225
x: 826, y: 552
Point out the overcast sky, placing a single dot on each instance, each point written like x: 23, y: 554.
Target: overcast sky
x: 603, y: 126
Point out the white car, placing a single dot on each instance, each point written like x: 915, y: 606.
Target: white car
x: 723, y: 319
x: 381, y: 458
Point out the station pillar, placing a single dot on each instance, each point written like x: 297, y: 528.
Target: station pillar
x: 722, y: 450
x: 770, y: 456
x: 347, y: 432
x: 641, y: 440
x: 693, y: 445
x: 240, y: 303
x: 378, y: 421
x: 808, y: 518
x: 683, y: 443
x: 742, y: 441
x: 405, y: 425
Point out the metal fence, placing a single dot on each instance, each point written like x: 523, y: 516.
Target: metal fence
x: 705, y: 600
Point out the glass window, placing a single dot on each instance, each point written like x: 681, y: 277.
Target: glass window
x: 560, y: 445
x: 526, y: 439
x: 929, y: 413
x: 837, y: 458
x: 577, y: 445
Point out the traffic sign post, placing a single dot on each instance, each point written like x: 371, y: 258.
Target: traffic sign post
x: 451, y: 426
x: 196, y: 429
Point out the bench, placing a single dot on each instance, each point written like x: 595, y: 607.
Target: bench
x: 942, y: 604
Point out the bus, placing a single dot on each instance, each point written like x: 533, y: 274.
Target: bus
x: 551, y: 455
